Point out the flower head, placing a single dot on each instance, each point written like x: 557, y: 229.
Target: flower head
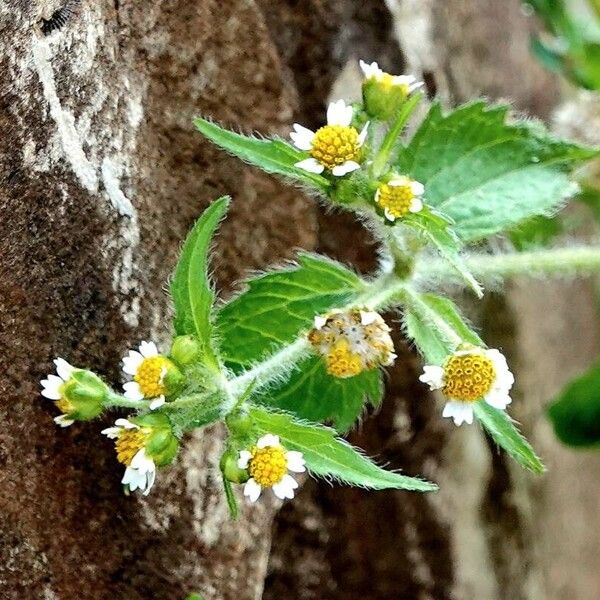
x: 268, y: 464
x: 150, y: 371
x: 143, y: 444
x: 352, y: 342
x: 408, y: 83
x: 335, y: 146
x: 77, y: 393
x: 399, y: 196
x: 468, y: 376
x: 383, y: 94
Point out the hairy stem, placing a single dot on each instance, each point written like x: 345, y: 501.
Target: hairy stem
x: 560, y: 261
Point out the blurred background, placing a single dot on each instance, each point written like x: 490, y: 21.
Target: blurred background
x: 101, y: 175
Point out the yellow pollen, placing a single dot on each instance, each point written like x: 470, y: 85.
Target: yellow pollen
x: 468, y: 377
x: 396, y: 198
x: 335, y: 144
x: 129, y: 443
x: 342, y: 362
x: 64, y: 406
x: 267, y: 465
x: 149, y: 376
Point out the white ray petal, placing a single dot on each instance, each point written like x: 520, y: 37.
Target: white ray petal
x: 295, y: 461
x: 244, y: 459
x: 312, y: 165
x: 338, y: 113
x: 63, y: 368
x: 252, y: 490
x: 148, y: 349
x: 302, y: 137
x: 433, y: 376
x: 268, y: 440
x: 345, y: 168
x: 133, y: 391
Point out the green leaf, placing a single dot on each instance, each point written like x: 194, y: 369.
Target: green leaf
x: 535, y: 232
x: 278, y: 305
x: 503, y: 431
x: 191, y: 290
x: 272, y: 156
x: 331, y: 457
x: 485, y: 174
x: 420, y: 322
x: 439, y: 233
x: 575, y: 414
x: 312, y: 394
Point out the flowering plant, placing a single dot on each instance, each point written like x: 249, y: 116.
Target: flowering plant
x: 289, y: 362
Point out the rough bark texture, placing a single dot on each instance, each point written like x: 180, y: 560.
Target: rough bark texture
x: 101, y: 175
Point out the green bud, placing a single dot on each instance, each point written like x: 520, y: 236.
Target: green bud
x: 174, y: 380
x: 239, y: 423
x: 84, y: 392
x: 186, y: 350
x: 230, y: 469
x: 162, y: 444
x: 383, y: 99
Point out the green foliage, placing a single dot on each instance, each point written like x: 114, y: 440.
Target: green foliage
x: 191, y: 290
x: 331, y: 457
x: 312, y: 394
x: 535, y: 232
x: 574, y: 51
x: 272, y: 156
x: 441, y: 235
x: 485, y: 174
x: 278, y: 305
x: 503, y: 431
x: 575, y: 414
x: 421, y: 326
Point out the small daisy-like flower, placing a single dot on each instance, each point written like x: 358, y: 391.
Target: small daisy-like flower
x: 407, y: 83
x: 79, y: 394
x: 148, y: 369
x: 468, y: 376
x: 143, y: 444
x: 268, y: 464
x: 54, y: 388
x: 130, y: 444
x: 399, y: 196
x: 335, y: 146
x: 352, y: 342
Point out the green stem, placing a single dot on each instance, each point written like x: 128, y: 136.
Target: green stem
x: 391, y: 137
x: 561, y: 261
x: 116, y: 400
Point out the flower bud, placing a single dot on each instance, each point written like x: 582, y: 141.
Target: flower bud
x: 161, y: 444
x: 230, y: 469
x: 85, y: 392
x: 239, y: 423
x: 185, y: 350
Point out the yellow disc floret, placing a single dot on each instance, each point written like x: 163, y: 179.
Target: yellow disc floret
x: 267, y: 465
x: 64, y: 405
x: 333, y: 145
x: 468, y: 377
x: 150, y: 375
x: 342, y: 362
x: 395, y: 198
x: 129, y: 443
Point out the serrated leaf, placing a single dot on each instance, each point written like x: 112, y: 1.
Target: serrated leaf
x: 331, y: 457
x: 575, y: 414
x: 421, y: 327
x: 312, y: 394
x: 191, y: 290
x: 503, y: 431
x: 278, y: 305
x: 442, y: 236
x: 272, y: 156
x: 485, y: 174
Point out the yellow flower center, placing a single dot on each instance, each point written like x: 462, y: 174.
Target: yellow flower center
x: 335, y: 144
x: 267, y: 465
x: 150, y: 374
x: 64, y: 406
x: 342, y: 362
x: 396, y: 198
x: 129, y: 443
x: 468, y: 377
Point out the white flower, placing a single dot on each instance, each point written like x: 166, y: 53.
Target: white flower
x: 140, y: 469
x: 399, y: 196
x: 268, y: 464
x: 336, y: 146
x: 52, y: 388
x: 148, y: 369
x: 469, y: 376
x: 372, y: 71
